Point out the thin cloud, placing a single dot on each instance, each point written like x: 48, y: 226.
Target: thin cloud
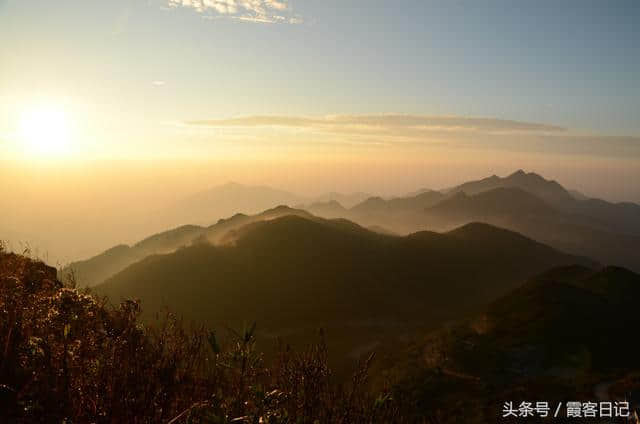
x: 261, y: 11
x: 413, y: 124
x: 424, y: 130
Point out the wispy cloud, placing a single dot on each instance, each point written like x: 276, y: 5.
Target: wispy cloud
x: 262, y: 11
x: 406, y: 124
x: 452, y: 131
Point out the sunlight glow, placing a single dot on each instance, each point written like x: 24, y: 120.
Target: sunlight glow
x: 45, y: 130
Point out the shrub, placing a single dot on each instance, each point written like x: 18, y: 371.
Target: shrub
x: 66, y: 356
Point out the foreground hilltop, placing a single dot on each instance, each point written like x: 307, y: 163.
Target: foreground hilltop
x: 67, y: 357
x: 566, y: 334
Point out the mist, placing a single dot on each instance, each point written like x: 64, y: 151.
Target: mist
x: 69, y: 210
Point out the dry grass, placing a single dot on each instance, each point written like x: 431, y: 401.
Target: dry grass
x: 66, y: 356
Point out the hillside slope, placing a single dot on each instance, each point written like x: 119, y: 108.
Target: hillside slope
x: 523, y: 212
x: 292, y: 274
x: 623, y: 218
x: 95, y: 270
x: 523, y: 202
x: 557, y: 337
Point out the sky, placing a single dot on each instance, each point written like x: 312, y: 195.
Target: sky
x: 313, y: 95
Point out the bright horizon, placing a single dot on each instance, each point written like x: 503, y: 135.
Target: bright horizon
x: 113, y: 108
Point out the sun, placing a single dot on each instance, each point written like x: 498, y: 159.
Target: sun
x: 44, y: 129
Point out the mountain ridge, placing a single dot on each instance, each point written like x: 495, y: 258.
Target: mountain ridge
x: 588, y: 227
x: 292, y: 248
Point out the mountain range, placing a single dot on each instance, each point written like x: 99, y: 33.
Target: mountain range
x: 228, y: 199
x: 231, y: 198
x: 488, y: 291
x: 95, y: 270
x: 333, y: 264
x: 522, y: 202
x: 295, y: 273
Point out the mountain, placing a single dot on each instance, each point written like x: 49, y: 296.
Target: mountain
x: 372, y: 205
x: 420, y: 201
x: 216, y: 233
x: 417, y: 192
x: 623, y: 217
x: 232, y: 198
x: 95, y: 270
x: 617, y: 217
x: 66, y: 353
x: 399, y: 214
x: 523, y: 202
x: 578, y: 195
x: 564, y: 307
x: 98, y: 268
x: 228, y: 199
x: 347, y: 200
x: 521, y: 211
x: 293, y: 274
x: 402, y: 215
x: 328, y: 209
x: 377, y: 205
x: 295, y: 256
x: 566, y: 333
x: 491, y: 202
x: 549, y: 191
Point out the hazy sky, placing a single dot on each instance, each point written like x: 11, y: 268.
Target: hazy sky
x: 126, y: 68
x: 315, y: 95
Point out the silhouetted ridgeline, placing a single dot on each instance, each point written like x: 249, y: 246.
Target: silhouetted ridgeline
x: 95, y: 270
x: 295, y: 273
x: 523, y: 202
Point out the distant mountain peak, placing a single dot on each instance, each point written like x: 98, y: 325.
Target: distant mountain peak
x: 117, y: 249
x: 334, y: 203
x: 477, y: 229
x: 531, y: 182
x: 281, y: 208
x: 232, y: 218
x: 328, y: 204
x: 521, y: 174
